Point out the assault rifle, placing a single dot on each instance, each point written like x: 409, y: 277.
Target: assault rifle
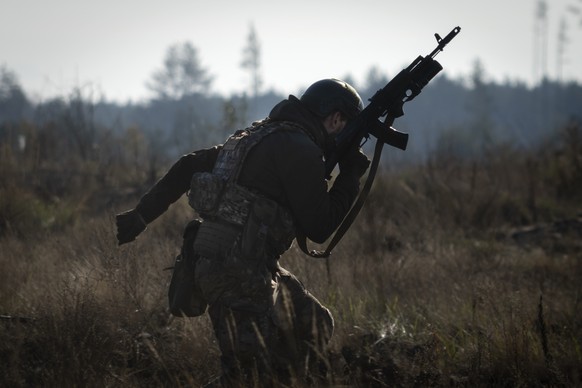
x: 386, y: 103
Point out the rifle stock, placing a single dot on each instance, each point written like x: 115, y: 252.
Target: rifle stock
x: 388, y: 103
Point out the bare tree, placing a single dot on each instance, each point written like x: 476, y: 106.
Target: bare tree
x: 181, y: 74
x: 252, y: 62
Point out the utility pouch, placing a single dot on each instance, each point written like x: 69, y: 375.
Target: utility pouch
x: 262, y: 216
x: 184, y: 295
x: 205, y: 191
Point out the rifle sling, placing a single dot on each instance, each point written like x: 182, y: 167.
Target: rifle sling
x: 351, y: 216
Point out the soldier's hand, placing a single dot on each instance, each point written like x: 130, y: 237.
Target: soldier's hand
x: 129, y: 225
x: 354, y: 162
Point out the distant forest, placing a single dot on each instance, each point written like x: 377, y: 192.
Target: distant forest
x: 459, y: 117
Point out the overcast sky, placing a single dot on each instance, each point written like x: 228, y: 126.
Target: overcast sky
x: 113, y: 46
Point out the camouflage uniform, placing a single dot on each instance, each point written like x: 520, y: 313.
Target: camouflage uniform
x: 263, y: 318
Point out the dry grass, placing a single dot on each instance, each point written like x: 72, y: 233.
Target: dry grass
x: 87, y: 313
x: 427, y: 288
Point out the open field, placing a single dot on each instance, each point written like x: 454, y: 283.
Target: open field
x: 457, y: 273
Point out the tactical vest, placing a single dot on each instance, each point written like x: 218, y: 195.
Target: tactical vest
x: 239, y: 220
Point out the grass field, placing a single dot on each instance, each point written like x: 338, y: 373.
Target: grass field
x: 457, y: 273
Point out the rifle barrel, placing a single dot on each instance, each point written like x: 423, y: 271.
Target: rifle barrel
x: 442, y: 42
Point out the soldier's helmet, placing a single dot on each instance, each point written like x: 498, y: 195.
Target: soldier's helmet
x: 329, y: 95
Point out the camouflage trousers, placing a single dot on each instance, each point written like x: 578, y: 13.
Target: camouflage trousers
x: 271, y: 330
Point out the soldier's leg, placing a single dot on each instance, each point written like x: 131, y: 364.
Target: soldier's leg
x: 243, y: 338
x: 304, y: 326
x: 240, y: 308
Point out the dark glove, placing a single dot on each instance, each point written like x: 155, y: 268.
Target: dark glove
x: 129, y: 225
x: 354, y: 162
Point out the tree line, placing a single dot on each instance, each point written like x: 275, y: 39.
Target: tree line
x: 100, y: 152
x: 459, y: 116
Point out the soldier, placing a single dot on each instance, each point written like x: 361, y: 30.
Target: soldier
x: 252, y: 194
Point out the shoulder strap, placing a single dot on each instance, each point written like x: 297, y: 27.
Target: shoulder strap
x: 352, y: 214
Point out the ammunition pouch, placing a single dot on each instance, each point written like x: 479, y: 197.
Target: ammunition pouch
x: 267, y: 232
x: 213, y: 197
x: 229, y: 209
x: 205, y: 191
x: 235, y: 204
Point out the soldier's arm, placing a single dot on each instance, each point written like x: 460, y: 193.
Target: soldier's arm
x: 175, y: 183
x: 164, y: 193
x: 318, y: 212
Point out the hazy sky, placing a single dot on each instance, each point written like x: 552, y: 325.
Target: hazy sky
x: 113, y: 46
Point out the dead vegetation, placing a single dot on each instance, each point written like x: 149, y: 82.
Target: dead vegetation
x: 457, y: 273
